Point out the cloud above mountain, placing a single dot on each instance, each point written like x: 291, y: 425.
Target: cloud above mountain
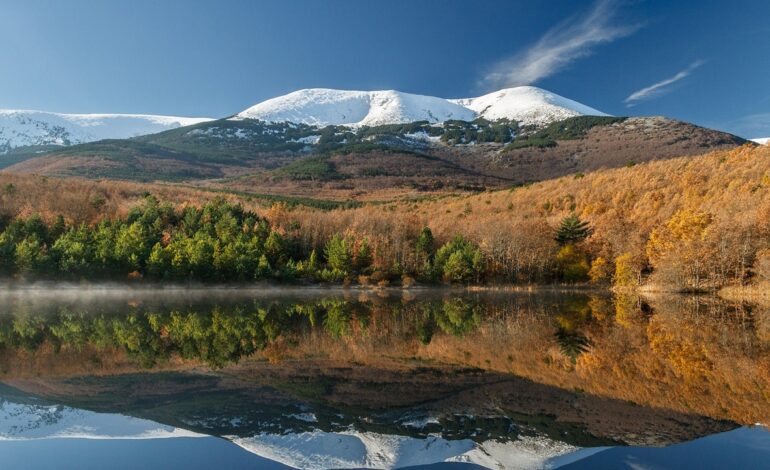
x: 661, y: 87
x: 572, y: 39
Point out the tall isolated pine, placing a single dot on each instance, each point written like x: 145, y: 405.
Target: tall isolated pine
x: 572, y: 230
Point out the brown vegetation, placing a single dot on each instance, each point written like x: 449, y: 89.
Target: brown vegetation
x: 685, y: 223
x: 421, y: 170
x: 694, y: 223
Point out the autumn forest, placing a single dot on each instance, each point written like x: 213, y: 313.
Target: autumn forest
x: 686, y: 224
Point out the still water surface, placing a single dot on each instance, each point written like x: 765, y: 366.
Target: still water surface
x: 350, y: 379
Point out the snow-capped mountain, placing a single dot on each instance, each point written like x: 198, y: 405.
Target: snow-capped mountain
x: 318, y: 450
x: 19, y: 128
x: 307, y: 450
x: 762, y: 140
x: 25, y: 421
x: 317, y: 107
x: 322, y: 107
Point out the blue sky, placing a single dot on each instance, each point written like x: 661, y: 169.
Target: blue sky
x: 704, y: 61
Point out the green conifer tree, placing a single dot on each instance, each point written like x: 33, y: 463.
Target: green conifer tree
x: 572, y: 230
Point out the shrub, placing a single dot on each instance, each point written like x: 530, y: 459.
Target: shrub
x: 600, y: 271
x: 459, y: 261
x: 625, y: 272
x: 762, y: 264
x: 572, y: 264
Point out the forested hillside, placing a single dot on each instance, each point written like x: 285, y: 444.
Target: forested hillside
x: 689, y: 223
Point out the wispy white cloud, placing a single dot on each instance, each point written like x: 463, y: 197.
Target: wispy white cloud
x: 572, y: 39
x: 661, y: 87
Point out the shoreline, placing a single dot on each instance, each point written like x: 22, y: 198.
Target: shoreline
x: 756, y: 293
x: 759, y: 293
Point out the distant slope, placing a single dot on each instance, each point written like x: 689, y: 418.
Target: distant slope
x: 25, y: 133
x: 20, y: 128
x: 319, y: 450
x: 30, y: 418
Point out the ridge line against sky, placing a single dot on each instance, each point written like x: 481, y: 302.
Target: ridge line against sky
x: 201, y: 58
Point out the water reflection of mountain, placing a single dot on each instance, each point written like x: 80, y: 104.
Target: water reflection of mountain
x: 689, y: 355
x: 28, y: 419
x: 466, y: 405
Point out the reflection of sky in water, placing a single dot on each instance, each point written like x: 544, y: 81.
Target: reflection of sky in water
x: 742, y: 448
x: 747, y: 448
x: 188, y: 453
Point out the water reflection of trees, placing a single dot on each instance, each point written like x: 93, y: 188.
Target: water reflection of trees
x: 217, y: 334
x: 683, y: 353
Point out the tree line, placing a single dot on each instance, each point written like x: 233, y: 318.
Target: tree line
x: 217, y: 242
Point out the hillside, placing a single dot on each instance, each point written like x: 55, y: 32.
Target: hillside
x: 354, y: 145
x: 685, y: 223
x: 379, y: 162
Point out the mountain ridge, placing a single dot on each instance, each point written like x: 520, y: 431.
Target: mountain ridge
x: 324, y: 106
x: 317, y: 107
x: 32, y: 128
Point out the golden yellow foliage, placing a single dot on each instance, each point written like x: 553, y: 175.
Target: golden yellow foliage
x: 625, y: 274
x: 600, y: 271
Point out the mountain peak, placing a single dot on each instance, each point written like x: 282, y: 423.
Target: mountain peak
x: 528, y: 105
x: 324, y: 106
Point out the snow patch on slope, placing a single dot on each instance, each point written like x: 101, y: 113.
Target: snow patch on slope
x: 19, y: 128
x: 321, y: 450
x: 322, y: 107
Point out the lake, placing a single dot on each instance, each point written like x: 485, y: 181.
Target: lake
x: 95, y: 377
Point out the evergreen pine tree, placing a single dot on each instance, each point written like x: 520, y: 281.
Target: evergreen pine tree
x: 425, y: 244
x: 338, y: 255
x: 364, y: 255
x: 572, y: 230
